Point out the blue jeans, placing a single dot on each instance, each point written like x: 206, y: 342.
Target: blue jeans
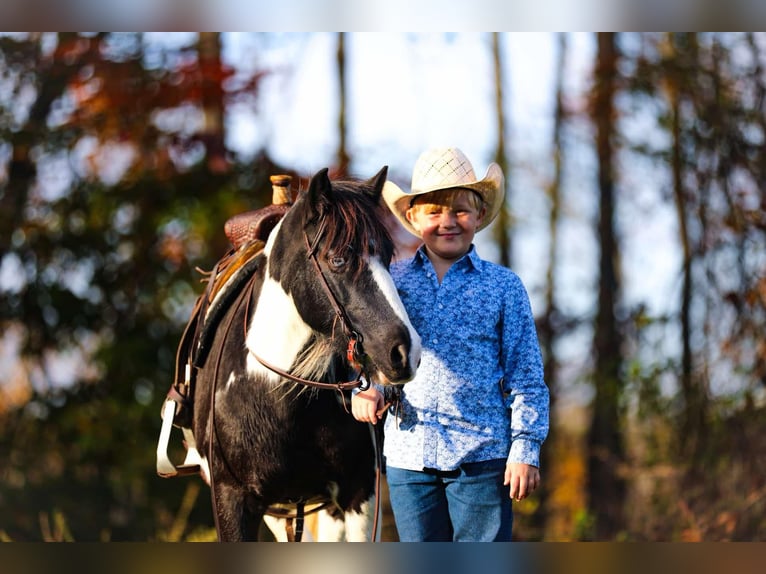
x: 467, y: 504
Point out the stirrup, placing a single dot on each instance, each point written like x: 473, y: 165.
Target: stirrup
x: 193, y: 460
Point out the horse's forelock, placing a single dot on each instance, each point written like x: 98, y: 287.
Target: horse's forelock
x: 354, y: 224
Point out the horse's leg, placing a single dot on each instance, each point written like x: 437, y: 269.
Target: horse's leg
x: 352, y: 527
x: 277, y: 526
x: 358, y: 525
x: 239, y: 514
x: 329, y: 528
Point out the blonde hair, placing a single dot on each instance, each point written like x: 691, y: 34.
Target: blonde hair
x: 448, y: 197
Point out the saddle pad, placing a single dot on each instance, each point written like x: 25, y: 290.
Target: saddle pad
x: 225, y: 284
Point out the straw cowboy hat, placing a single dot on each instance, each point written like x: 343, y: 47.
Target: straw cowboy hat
x: 446, y: 168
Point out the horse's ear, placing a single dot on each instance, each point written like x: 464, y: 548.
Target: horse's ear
x: 320, y: 188
x: 377, y: 180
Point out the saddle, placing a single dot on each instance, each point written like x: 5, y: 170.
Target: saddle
x: 247, y: 232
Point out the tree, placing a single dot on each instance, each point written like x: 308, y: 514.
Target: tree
x: 503, y: 224
x: 678, y: 83
x: 606, y: 488
x: 106, y: 252
x: 550, y: 325
x: 342, y: 153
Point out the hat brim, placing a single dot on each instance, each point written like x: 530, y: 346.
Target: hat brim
x: 491, y: 187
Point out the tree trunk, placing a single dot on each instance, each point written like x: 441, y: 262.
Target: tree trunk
x: 211, y: 70
x: 503, y: 223
x: 606, y: 488
x: 683, y: 49
x: 682, y: 208
x: 342, y: 154
x: 548, y: 327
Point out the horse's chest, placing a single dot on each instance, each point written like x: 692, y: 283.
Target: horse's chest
x: 298, y: 431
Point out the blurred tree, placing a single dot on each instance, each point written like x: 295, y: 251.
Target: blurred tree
x: 677, y: 83
x: 342, y: 157
x: 712, y: 87
x: 706, y: 92
x: 503, y: 224
x: 551, y: 324
x: 118, y: 183
x: 606, y: 487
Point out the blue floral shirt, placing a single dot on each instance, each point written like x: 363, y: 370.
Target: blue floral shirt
x: 479, y: 392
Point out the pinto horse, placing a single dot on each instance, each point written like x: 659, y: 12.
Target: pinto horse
x: 316, y: 306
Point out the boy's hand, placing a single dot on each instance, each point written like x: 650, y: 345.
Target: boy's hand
x: 367, y: 406
x: 523, y: 478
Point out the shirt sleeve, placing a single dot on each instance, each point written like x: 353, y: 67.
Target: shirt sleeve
x: 524, y: 389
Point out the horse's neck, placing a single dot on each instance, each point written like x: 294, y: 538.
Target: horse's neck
x: 276, y: 332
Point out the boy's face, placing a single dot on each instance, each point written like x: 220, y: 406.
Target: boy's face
x: 447, y: 221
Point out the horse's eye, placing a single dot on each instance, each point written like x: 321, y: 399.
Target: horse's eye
x: 337, y: 262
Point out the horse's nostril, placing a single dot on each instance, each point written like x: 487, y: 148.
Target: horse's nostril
x: 399, y: 356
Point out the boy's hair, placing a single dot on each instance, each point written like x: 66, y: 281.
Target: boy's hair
x: 448, y: 197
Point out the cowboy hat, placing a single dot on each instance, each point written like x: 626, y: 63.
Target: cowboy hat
x: 446, y: 168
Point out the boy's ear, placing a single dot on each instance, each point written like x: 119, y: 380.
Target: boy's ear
x: 482, y: 214
x: 410, y: 215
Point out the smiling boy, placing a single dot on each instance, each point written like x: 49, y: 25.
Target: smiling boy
x: 464, y: 439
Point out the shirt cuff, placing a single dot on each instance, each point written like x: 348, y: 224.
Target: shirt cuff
x: 356, y: 390
x: 525, y: 451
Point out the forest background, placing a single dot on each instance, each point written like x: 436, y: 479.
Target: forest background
x: 635, y: 215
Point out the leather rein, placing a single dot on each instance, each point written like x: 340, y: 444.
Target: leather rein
x: 353, y: 353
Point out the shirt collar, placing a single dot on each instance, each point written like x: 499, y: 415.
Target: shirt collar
x: 470, y: 259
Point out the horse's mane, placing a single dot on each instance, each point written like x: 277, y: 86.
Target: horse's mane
x: 354, y: 225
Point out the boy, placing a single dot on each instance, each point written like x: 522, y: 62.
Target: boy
x: 465, y: 436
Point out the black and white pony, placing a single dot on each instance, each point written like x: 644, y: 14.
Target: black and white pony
x: 316, y: 304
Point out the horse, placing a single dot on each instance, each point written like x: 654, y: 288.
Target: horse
x: 316, y: 305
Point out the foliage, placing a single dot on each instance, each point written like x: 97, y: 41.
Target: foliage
x: 105, y: 272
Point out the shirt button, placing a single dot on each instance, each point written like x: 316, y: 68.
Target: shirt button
x: 435, y: 341
x: 441, y: 306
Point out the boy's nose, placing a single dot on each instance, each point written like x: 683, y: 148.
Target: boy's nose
x: 448, y: 218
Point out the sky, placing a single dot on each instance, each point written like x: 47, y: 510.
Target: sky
x: 408, y: 92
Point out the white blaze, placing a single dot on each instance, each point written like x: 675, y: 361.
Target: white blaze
x: 386, y: 285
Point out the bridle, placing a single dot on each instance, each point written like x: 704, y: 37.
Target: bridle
x: 354, y: 354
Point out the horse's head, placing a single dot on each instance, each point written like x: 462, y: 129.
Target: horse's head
x: 327, y: 281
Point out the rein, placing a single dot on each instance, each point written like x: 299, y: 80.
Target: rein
x: 360, y: 382
x: 355, y: 339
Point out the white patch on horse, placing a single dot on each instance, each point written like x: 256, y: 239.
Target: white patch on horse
x: 321, y: 526
x: 358, y: 525
x: 386, y: 285
x: 276, y: 332
x: 272, y: 237
x: 193, y: 456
